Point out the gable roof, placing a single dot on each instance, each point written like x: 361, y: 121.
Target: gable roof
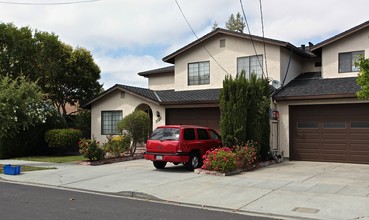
x: 170, y: 57
x: 340, y: 35
x: 168, y: 69
x: 318, y: 88
x: 165, y: 97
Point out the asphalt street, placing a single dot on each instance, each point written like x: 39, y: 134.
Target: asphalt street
x: 32, y: 202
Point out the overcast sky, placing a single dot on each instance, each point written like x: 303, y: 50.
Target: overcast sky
x: 129, y: 36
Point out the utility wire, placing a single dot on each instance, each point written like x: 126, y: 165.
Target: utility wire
x: 49, y: 3
x: 252, y: 41
x: 262, y: 29
x: 188, y: 23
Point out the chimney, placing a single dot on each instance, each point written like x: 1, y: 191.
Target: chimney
x: 303, y: 46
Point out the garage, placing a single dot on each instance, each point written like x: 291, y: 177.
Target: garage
x: 208, y: 117
x: 332, y: 133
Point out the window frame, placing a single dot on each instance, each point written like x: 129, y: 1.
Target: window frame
x: 353, y: 68
x: 259, y: 59
x: 191, y: 81
x: 112, y: 121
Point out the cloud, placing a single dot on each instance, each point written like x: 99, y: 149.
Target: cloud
x: 123, y: 70
x: 130, y: 36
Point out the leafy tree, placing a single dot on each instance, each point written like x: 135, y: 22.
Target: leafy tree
x: 21, y: 105
x: 66, y: 75
x: 236, y: 23
x: 363, y: 78
x: 137, y: 126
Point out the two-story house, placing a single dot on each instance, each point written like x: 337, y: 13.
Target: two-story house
x: 314, y: 80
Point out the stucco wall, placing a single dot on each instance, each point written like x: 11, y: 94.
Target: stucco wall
x: 161, y: 81
x: 284, y: 129
x: 294, y: 69
x: 128, y: 104
x: 226, y: 57
x: 355, y: 42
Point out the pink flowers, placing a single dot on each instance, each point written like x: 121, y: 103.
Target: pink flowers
x: 225, y: 159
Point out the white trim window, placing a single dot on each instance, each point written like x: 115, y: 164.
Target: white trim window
x: 346, y: 61
x: 250, y: 64
x: 199, y: 73
x: 109, y: 122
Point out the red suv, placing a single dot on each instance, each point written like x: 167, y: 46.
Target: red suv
x: 180, y: 144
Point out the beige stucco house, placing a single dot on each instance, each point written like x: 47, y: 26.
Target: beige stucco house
x: 320, y: 117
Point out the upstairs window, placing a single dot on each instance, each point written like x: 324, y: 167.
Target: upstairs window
x: 109, y: 122
x: 251, y: 64
x: 347, y: 61
x: 198, y: 73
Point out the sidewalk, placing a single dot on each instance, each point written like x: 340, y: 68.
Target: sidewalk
x: 288, y: 190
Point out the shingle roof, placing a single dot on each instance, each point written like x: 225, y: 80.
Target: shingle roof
x: 163, y: 97
x: 168, y: 69
x: 170, y: 57
x: 191, y: 96
x: 315, y: 88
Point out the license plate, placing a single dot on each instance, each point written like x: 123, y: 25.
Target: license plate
x: 159, y: 157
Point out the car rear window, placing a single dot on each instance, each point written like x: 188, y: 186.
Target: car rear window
x: 165, y: 134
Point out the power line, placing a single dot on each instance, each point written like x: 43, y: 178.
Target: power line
x: 262, y: 29
x: 49, y: 3
x: 188, y: 23
x: 252, y: 41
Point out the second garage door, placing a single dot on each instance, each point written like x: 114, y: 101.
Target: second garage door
x: 336, y: 133
x: 208, y: 117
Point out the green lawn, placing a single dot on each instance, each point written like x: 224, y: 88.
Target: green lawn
x: 28, y: 168
x: 53, y: 159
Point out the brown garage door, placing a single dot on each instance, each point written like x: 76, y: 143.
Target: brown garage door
x: 336, y: 133
x: 209, y: 117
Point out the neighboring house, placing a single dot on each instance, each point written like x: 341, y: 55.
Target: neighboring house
x: 320, y: 117
x: 311, y: 77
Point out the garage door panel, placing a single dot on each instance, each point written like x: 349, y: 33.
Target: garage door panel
x: 334, y: 147
x: 307, y: 146
x: 359, y: 136
x: 333, y: 135
x: 208, y: 117
x: 342, y: 134
x: 364, y: 147
x: 308, y: 136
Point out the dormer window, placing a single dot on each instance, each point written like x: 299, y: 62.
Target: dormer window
x: 347, y: 61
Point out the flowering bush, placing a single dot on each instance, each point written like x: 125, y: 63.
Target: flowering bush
x: 246, y: 156
x: 117, y: 145
x: 220, y: 159
x: 225, y: 159
x: 91, y: 149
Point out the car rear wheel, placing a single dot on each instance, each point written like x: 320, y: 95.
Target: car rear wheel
x: 159, y: 164
x: 194, y: 162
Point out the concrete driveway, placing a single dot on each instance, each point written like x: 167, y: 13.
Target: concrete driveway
x: 293, y: 189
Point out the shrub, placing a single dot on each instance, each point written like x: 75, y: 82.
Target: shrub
x: 246, y: 156
x: 220, y: 159
x: 31, y: 141
x: 91, y: 149
x: 63, y: 139
x: 137, y: 126
x: 117, y: 145
x: 225, y: 159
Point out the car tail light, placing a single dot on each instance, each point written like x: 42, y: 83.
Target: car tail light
x: 179, y: 147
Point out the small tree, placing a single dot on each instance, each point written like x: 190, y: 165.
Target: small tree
x: 363, y: 78
x: 236, y: 23
x: 137, y: 126
x: 21, y: 105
